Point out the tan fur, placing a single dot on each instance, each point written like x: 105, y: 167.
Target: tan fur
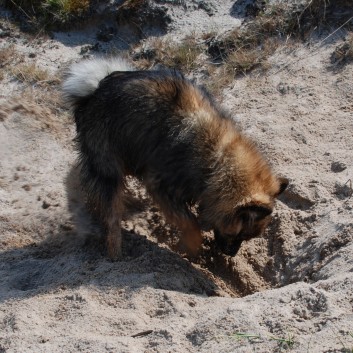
x: 244, y: 178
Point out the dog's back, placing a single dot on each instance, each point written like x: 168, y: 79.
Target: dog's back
x: 137, y: 118
x: 148, y: 124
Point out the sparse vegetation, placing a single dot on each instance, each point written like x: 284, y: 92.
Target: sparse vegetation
x: 218, y: 78
x: 182, y: 56
x: 29, y: 73
x: 49, y: 12
x: 343, y: 53
x: 286, y: 342
x: 8, y: 58
x: 139, y: 13
x: 61, y: 10
x: 6, y: 54
x: 246, y: 48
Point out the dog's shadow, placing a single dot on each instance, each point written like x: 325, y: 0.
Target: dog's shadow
x: 75, y: 255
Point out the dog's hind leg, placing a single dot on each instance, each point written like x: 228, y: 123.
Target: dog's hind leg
x: 105, y: 200
x: 112, y: 220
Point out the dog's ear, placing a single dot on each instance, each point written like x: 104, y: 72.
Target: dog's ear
x: 283, y: 183
x: 253, y: 213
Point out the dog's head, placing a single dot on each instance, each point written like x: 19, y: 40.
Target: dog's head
x: 246, y: 221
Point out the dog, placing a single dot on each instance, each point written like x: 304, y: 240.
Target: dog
x: 161, y: 128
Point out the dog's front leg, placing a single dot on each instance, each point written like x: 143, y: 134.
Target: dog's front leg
x: 191, y: 235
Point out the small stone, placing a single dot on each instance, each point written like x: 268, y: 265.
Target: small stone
x: 338, y: 167
x: 105, y: 33
x: 343, y: 190
x: 27, y: 187
x: 4, y: 33
x: 45, y: 205
x: 203, y: 5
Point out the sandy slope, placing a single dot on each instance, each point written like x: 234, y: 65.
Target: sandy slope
x: 58, y: 291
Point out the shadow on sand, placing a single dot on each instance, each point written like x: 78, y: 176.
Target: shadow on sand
x: 74, y: 255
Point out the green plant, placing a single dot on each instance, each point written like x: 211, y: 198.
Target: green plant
x: 248, y: 336
x: 284, y: 342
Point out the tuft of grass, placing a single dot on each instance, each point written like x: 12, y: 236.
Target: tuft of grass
x: 218, y: 78
x: 29, y: 73
x: 49, y: 13
x: 62, y: 10
x: 284, y: 342
x: 343, y: 53
x: 182, y: 56
x: 7, y: 55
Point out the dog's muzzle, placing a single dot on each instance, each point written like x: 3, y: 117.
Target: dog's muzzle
x: 228, y: 244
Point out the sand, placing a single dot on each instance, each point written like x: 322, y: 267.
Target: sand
x: 291, y: 289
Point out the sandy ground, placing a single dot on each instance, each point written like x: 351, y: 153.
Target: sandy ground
x: 292, y: 289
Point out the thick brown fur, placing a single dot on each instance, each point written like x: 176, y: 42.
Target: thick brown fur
x: 167, y: 132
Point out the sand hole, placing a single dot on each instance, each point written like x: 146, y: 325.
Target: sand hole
x: 260, y: 264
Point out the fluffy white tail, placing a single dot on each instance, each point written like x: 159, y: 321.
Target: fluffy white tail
x: 83, y: 77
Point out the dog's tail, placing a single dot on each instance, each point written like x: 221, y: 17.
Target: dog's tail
x: 83, y: 78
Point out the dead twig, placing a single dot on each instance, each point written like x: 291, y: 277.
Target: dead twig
x: 141, y: 334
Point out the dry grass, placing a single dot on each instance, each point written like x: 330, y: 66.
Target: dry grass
x: 29, y: 73
x: 249, y: 47
x: 45, y: 109
x: 45, y: 99
x: 7, y: 54
x: 244, y: 60
x: 62, y: 10
x: 5, y: 57
x: 9, y: 57
x: 49, y: 13
x: 182, y: 56
x: 218, y: 78
x: 343, y: 53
